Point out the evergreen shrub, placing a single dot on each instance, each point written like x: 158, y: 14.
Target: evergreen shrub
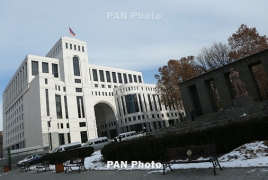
x: 226, y: 137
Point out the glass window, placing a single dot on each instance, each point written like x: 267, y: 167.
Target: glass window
x: 82, y: 124
x: 76, y: 66
x: 130, y: 78
x: 80, y: 107
x: 120, y: 78
x: 61, y: 139
x: 74, y: 47
x: 140, y: 81
x: 58, y: 106
x: 101, y: 76
x: 114, y: 77
x: 66, y: 45
x: 55, y: 70
x: 78, y: 48
x: 44, y: 67
x: 77, y: 80
x: 135, y: 78
x: 132, y: 103
x: 45, y: 80
x: 125, y: 78
x: 83, y: 136
x: 34, y: 68
x: 47, y: 102
x: 78, y: 89
x: 66, y: 108
x: 108, y: 76
x: 71, y: 46
x: 82, y: 48
x: 95, y: 75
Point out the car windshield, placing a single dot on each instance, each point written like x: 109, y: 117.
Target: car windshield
x: 55, y: 150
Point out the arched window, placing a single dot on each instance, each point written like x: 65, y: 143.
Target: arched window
x: 76, y: 66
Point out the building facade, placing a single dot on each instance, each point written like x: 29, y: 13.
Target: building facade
x: 61, y: 98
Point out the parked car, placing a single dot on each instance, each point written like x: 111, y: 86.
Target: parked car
x: 97, y: 143
x: 141, y: 133
x: 31, y: 159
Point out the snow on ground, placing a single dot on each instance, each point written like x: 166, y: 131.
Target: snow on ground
x: 253, y: 154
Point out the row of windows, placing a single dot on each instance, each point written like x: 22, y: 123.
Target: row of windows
x: 103, y: 86
x: 116, y: 77
x: 55, y: 51
x: 110, y: 124
x: 45, y: 69
x: 16, y: 146
x: 74, y: 47
x: 135, y: 88
x: 15, y: 86
x: 98, y: 93
x: 15, y: 138
x: 61, y: 125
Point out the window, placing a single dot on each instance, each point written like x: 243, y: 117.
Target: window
x: 76, y: 66
x: 135, y: 78
x: 83, y: 136
x: 61, y: 139
x: 66, y: 45
x: 67, y: 125
x: 140, y: 81
x: 45, y: 80
x: 150, y: 103
x: 64, y: 89
x: 78, y: 89
x: 120, y: 78
x: 80, y: 107
x: 61, y: 125
x: 44, y: 67
x: 34, y: 68
x: 109, y: 86
x: 82, y: 124
x: 77, y: 80
x: 82, y: 48
x: 47, y: 103
x: 108, y: 76
x: 74, y: 47
x: 95, y: 75
x: 103, y: 86
x: 78, y: 48
x: 55, y: 70
x: 58, y: 106
x: 96, y: 85
x: 130, y: 78
x: 66, y: 108
x: 101, y: 76
x: 132, y: 103
x: 114, y: 77
x: 68, y: 136
x: 71, y: 46
x: 125, y: 78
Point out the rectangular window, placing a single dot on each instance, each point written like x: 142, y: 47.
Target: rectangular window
x: 119, y: 107
x: 34, y: 68
x: 130, y: 78
x: 77, y: 80
x: 122, y: 100
x: 61, y: 139
x: 140, y: 81
x: 78, y: 48
x: 58, y: 106
x: 150, y: 103
x: 66, y: 108
x: 125, y: 78
x: 155, y: 105
x: 159, y: 102
x: 82, y: 124
x: 82, y: 48
x: 66, y: 45
x: 135, y: 78
x: 47, y: 103
x: 44, y: 67
x: 101, y: 76
x: 67, y: 125
x: 46, y: 81
x: 61, y: 125
x: 96, y: 85
x: 114, y: 77
x: 55, y: 70
x: 78, y: 89
x: 83, y: 136
x: 69, y: 137
x: 109, y: 86
x: 71, y: 46
x: 80, y: 107
x: 120, y: 78
x: 64, y: 89
x: 108, y: 76
x: 132, y: 103
x: 103, y: 86
x: 76, y: 66
x: 95, y: 75
x: 140, y: 102
x: 74, y: 47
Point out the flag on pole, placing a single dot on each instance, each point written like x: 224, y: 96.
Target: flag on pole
x: 71, y: 32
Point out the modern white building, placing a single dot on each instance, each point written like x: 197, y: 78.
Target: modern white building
x: 61, y: 98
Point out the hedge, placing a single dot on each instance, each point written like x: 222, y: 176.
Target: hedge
x: 67, y: 155
x: 226, y: 137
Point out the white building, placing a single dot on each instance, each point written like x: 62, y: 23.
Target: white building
x: 60, y: 98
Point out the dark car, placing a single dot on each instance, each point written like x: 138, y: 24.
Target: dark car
x: 31, y: 159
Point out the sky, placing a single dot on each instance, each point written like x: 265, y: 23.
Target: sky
x: 140, y: 36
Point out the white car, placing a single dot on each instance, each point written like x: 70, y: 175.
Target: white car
x: 140, y: 134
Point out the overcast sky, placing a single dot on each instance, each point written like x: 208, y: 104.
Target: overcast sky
x: 133, y: 35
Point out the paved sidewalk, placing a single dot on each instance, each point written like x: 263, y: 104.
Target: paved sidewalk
x: 184, y: 174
